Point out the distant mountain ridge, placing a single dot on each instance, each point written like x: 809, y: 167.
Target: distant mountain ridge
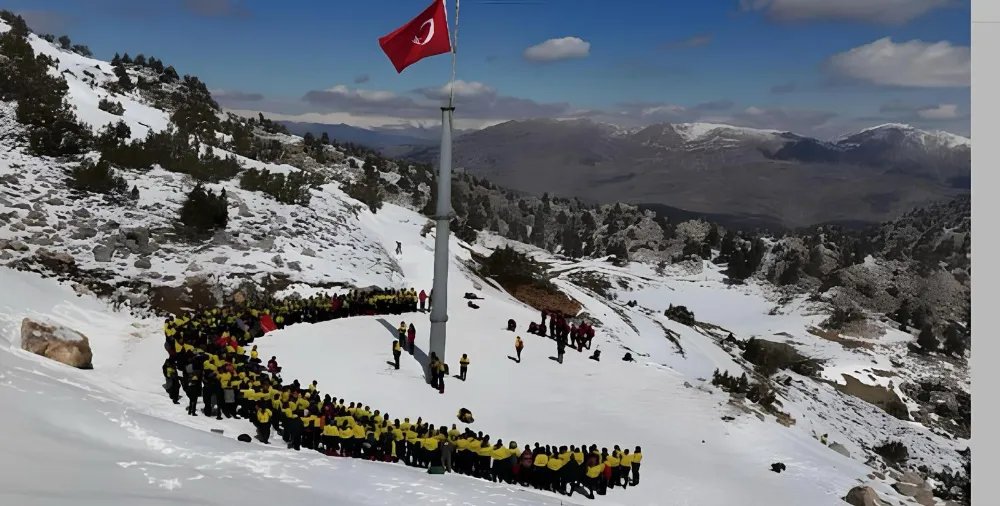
x: 772, y: 175
x: 375, y: 139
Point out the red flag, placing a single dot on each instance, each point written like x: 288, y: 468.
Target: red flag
x: 267, y: 323
x: 425, y: 36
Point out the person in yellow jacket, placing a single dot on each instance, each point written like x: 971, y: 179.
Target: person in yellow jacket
x: 292, y: 427
x: 331, y: 436
x: 463, y: 366
x: 636, y: 461
x: 626, y: 468
x: 483, y: 456
x: 554, y: 468
x: 397, y: 350
x: 594, y: 473
x: 612, y: 461
x: 500, y: 454
x: 263, y: 423
x: 540, y: 473
x: 518, y: 346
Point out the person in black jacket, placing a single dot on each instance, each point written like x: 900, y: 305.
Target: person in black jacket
x: 192, y: 389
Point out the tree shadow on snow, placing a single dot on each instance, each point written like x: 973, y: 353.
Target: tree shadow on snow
x: 419, y: 354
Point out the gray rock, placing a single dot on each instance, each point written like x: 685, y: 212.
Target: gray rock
x: 81, y: 213
x: 55, y: 202
x: 102, y: 253
x: 60, y: 257
x: 220, y: 260
x: 308, y: 252
x: 13, y: 244
x: 43, y: 240
x: 21, y: 205
x: 143, y: 263
x: 194, y: 267
x: 84, y: 233
x: 4, y: 202
x: 110, y: 225
x: 18, y: 227
x: 841, y: 449
x: 277, y: 260
x: 266, y: 244
x: 863, y: 496
x: 245, y: 211
x: 295, y: 266
x: 5, y: 255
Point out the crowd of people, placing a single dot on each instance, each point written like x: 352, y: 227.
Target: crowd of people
x: 209, y: 361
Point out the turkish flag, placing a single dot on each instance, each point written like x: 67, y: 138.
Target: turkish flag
x: 425, y: 36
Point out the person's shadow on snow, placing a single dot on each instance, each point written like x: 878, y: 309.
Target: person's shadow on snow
x: 418, y: 353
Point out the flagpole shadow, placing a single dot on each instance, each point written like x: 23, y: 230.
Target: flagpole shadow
x: 419, y: 354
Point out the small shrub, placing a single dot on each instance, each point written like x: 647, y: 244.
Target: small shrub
x: 680, y: 314
x: 511, y: 267
x: 97, y: 178
x: 927, y: 341
x: 111, y: 107
x: 204, y: 211
x: 291, y: 189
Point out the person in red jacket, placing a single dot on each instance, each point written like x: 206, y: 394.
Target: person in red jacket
x: 411, y: 337
x: 423, y: 299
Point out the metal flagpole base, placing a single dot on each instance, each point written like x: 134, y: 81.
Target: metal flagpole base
x: 439, y: 300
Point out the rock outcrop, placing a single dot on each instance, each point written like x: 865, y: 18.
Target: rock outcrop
x: 56, y: 342
x: 863, y: 496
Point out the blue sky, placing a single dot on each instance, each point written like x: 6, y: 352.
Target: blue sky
x: 763, y: 63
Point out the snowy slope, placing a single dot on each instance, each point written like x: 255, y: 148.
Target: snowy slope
x: 138, y: 448
x: 121, y: 415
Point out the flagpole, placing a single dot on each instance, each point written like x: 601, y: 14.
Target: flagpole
x: 439, y: 301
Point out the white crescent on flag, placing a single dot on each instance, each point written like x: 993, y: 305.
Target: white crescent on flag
x: 430, y: 33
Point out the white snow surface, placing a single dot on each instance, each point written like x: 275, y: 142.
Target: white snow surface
x: 111, y: 436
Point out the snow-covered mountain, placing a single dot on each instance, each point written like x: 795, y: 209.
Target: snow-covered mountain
x: 98, y: 264
x: 712, y: 169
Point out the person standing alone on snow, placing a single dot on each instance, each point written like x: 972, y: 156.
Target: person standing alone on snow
x: 423, y: 299
x: 399, y: 248
x: 463, y: 366
x: 518, y: 346
x: 411, y: 337
x: 396, y: 351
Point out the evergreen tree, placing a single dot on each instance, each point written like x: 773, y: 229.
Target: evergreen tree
x: 116, y: 60
x: 64, y: 42
x: 712, y: 238
x: 727, y: 246
x: 124, y: 82
x: 927, y: 340
x: 308, y: 139
x: 324, y: 139
x: 126, y: 59
x: 956, y: 340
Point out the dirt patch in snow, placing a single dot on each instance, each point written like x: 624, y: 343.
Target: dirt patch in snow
x: 545, y: 299
x: 832, y: 335
x: 878, y: 396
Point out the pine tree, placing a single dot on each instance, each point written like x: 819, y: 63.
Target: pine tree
x: 308, y: 139
x: 927, y: 340
x: 116, y: 61
x: 324, y: 139
x: 64, y: 42
x: 955, y: 340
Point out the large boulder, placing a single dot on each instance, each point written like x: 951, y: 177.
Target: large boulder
x: 57, y: 343
x: 863, y: 496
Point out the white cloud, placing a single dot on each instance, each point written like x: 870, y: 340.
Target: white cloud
x: 942, y: 111
x: 551, y: 50
x: 891, y: 12
x: 363, y: 95
x: 463, y: 89
x: 915, y: 63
